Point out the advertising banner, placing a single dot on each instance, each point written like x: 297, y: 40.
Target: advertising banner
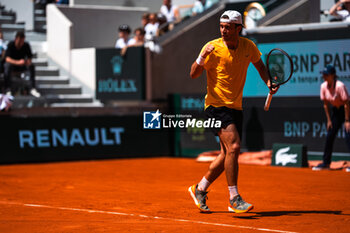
x: 120, y: 77
x: 42, y: 139
x: 289, y: 155
x: 290, y: 120
x: 191, y: 141
x: 309, y: 59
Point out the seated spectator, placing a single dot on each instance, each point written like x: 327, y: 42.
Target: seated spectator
x: 152, y: 27
x: 341, y: 10
x: 144, y: 20
x: 200, y: 6
x: 124, y: 32
x: 170, y: 11
x: 138, y: 40
x: 18, y: 58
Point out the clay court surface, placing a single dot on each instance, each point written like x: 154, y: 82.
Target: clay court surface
x: 150, y: 195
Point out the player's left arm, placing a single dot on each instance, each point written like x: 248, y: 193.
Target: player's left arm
x: 261, y: 68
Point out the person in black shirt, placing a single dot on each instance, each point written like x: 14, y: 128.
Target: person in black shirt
x: 18, y: 57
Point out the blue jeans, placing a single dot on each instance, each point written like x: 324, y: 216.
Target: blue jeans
x: 338, y: 119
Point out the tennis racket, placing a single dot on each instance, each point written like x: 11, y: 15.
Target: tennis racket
x: 280, y: 69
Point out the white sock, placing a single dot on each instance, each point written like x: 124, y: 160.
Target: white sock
x: 233, y: 191
x: 203, y: 184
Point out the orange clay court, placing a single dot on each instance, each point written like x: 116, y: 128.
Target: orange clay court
x: 150, y: 195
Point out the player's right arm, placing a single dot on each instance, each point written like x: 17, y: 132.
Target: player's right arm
x: 326, y: 110
x: 198, y: 66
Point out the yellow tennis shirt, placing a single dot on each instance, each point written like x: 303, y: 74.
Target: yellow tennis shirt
x: 226, y: 72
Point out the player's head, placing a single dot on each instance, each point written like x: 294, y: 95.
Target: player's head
x: 19, y: 39
x: 124, y: 31
x: 329, y: 73
x: 230, y: 24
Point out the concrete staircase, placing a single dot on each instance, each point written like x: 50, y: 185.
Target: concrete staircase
x: 39, y: 18
x: 8, y: 22
x: 56, y: 89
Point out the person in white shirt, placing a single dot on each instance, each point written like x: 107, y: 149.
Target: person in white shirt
x: 138, y: 40
x: 171, y: 12
x: 338, y: 12
x: 152, y: 27
x: 124, y: 40
x: 3, y: 45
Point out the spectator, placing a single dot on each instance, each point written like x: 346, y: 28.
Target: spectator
x: 138, y: 40
x: 18, y: 57
x: 124, y: 32
x: 334, y: 93
x: 139, y: 37
x: 163, y: 25
x: 3, y: 47
x: 338, y: 12
x: 152, y: 27
x: 145, y: 20
x: 200, y: 6
x: 170, y: 11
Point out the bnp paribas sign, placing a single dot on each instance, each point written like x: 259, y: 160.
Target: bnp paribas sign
x: 289, y: 155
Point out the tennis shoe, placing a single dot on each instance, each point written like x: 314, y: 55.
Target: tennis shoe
x: 347, y: 169
x: 238, y: 205
x: 320, y: 167
x: 35, y: 93
x: 199, y: 197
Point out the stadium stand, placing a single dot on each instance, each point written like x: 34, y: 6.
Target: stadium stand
x: 57, y: 89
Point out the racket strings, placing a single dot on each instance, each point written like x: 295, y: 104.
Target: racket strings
x: 279, y: 67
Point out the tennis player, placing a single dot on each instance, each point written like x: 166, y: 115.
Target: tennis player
x: 226, y: 62
x: 333, y: 92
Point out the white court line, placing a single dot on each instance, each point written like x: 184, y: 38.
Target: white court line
x: 143, y: 216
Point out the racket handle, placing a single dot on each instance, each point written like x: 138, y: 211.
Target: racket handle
x: 268, y: 102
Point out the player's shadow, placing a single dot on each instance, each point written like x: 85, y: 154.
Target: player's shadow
x: 257, y: 215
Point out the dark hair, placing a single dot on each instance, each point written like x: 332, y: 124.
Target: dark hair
x: 20, y: 34
x: 124, y: 28
x: 141, y: 30
x: 145, y: 16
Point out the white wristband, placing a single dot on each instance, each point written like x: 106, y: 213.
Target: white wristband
x: 200, y: 60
